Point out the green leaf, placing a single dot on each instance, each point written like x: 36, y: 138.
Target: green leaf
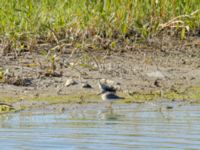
x: 183, y: 34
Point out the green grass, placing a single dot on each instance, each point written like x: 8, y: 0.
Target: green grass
x: 24, y: 21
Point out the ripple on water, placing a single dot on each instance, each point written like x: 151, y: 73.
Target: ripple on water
x: 139, y: 126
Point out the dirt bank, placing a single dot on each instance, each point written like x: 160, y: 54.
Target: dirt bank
x: 143, y: 72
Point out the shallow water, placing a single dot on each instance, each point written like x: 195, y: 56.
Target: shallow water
x: 135, y: 126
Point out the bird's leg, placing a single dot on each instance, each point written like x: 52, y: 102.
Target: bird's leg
x: 110, y: 105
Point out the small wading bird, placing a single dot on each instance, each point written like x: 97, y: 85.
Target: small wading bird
x: 108, y: 93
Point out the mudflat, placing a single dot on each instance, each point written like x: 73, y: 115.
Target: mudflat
x: 143, y: 72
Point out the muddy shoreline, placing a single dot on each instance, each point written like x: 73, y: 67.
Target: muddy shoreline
x: 144, y: 72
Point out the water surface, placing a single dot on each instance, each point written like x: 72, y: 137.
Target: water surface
x: 135, y: 126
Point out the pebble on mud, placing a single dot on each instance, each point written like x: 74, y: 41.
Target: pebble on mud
x: 70, y: 82
x: 169, y: 107
x: 86, y: 85
x: 158, y: 83
x: 62, y: 109
x: 156, y: 74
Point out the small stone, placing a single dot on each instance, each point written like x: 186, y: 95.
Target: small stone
x: 169, y: 107
x: 36, y: 95
x: 62, y: 109
x: 118, y: 83
x: 58, y: 91
x: 86, y: 85
x: 70, y: 82
x: 156, y: 74
x: 157, y: 83
x: 132, y: 93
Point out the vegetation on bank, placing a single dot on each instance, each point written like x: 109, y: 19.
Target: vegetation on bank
x: 28, y: 22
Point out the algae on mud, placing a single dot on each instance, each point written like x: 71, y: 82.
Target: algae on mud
x: 191, y: 96
x: 4, y: 108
